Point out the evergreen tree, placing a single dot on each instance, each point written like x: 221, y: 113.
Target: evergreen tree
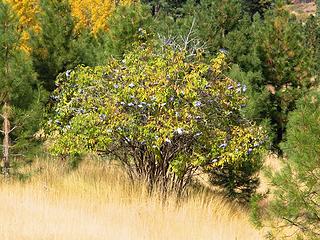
x: 52, y: 48
x: 125, y: 25
x: 165, y: 7
x: 286, y: 65
x: 209, y: 21
x: 312, y: 31
x: 278, y: 65
x: 238, y: 181
x: 58, y: 47
x: 18, y: 85
x: 242, y: 50
x: 257, y: 6
x: 296, y: 201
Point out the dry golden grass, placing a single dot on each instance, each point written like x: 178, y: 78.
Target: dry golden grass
x: 302, y: 10
x: 272, y: 162
x: 96, y: 202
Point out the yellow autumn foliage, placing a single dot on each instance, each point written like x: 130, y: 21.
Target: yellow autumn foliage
x: 90, y: 14
x: 93, y: 14
x: 26, y: 11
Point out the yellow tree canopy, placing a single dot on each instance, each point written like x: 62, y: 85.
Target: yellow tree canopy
x: 93, y: 14
x: 27, y: 11
x: 90, y: 14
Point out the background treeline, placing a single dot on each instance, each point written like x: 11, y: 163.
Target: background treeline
x: 271, y: 55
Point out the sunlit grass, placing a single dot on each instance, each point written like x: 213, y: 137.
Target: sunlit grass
x: 97, y: 202
x: 302, y: 10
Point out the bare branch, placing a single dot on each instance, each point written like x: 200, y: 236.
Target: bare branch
x: 12, y: 129
x: 187, y: 39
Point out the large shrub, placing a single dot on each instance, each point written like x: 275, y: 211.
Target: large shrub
x: 161, y: 112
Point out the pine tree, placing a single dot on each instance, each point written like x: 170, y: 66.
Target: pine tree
x: 125, y: 25
x: 209, y: 20
x: 170, y: 8
x: 279, y: 66
x: 58, y: 47
x: 257, y: 6
x: 52, y: 47
x: 286, y: 65
x: 296, y: 197
x: 18, y: 84
x: 312, y: 31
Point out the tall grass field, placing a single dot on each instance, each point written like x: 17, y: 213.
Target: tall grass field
x: 97, y: 202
